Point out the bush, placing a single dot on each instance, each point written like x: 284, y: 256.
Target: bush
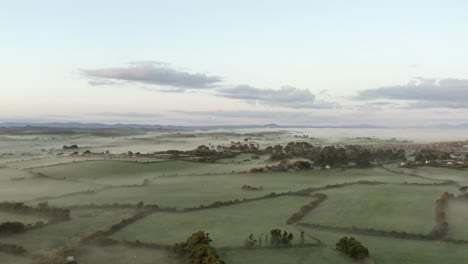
x: 352, y: 248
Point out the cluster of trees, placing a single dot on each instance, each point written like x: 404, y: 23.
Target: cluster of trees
x: 202, y: 150
x: 352, y: 248
x: 244, y: 148
x: 279, y: 238
x: 330, y: 156
x: 333, y: 156
x: 301, y: 165
x: 70, y: 147
x: 197, y: 249
x: 277, y: 156
x: 12, y: 228
x: 251, y: 188
x: 441, y: 226
x: 389, y: 155
x: 53, y: 213
x: 431, y: 155
x: 256, y: 170
x: 464, y: 189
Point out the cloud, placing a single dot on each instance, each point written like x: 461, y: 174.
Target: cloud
x: 286, y: 96
x: 100, y: 82
x: 424, y: 93
x: 147, y: 73
x: 150, y: 72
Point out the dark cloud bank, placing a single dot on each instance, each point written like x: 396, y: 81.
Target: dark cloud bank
x: 424, y: 93
x: 152, y: 73
x: 286, y: 96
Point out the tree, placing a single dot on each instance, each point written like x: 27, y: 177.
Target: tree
x: 250, y: 241
x: 341, y: 156
x: 280, y: 239
x: 299, y: 164
x: 363, y: 158
x: 352, y: 248
x: 198, y: 250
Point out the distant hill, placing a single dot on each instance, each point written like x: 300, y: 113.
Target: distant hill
x: 77, y: 125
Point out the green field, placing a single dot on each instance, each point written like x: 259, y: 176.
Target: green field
x: 401, y: 208
x: 33, y: 170
x: 391, y: 250
x: 228, y: 226
x: 125, y: 255
x: 23, y: 218
x: 457, y: 216
x: 459, y: 175
x: 126, y: 172
x: 192, y: 191
x: 285, y: 256
x: 29, y: 186
x: 45, y: 240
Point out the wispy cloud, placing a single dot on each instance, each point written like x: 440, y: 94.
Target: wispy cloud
x: 150, y: 72
x: 100, y: 82
x: 286, y: 96
x: 424, y: 93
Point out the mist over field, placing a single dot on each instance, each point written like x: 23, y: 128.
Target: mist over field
x: 133, y: 197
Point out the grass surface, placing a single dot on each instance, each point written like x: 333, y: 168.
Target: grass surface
x: 30, y: 186
x: 84, y: 222
x: 392, y: 250
x: 187, y: 184
x: 191, y: 191
x: 125, y: 255
x: 457, y: 218
x: 228, y: 226
x: 25, y: 219
x: 385, y: 207
x: 120, y: 172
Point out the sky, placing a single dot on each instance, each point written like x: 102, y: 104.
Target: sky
x: 391, y: 63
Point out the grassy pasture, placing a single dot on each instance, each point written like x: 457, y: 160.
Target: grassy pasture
x: 284, y: 256
x: 26, y: 219
x: 125, y: 255
x: 392, y: 250
x: 30, y: 186
x: 383, y: 251
x: 385, y: 207
x: 228, y: 226
x: 457, y: 216
x: 121, y: 172
x: 45, y: 161
x: 442, y: 173
x: 191, y: 191
x: 83, y: 222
